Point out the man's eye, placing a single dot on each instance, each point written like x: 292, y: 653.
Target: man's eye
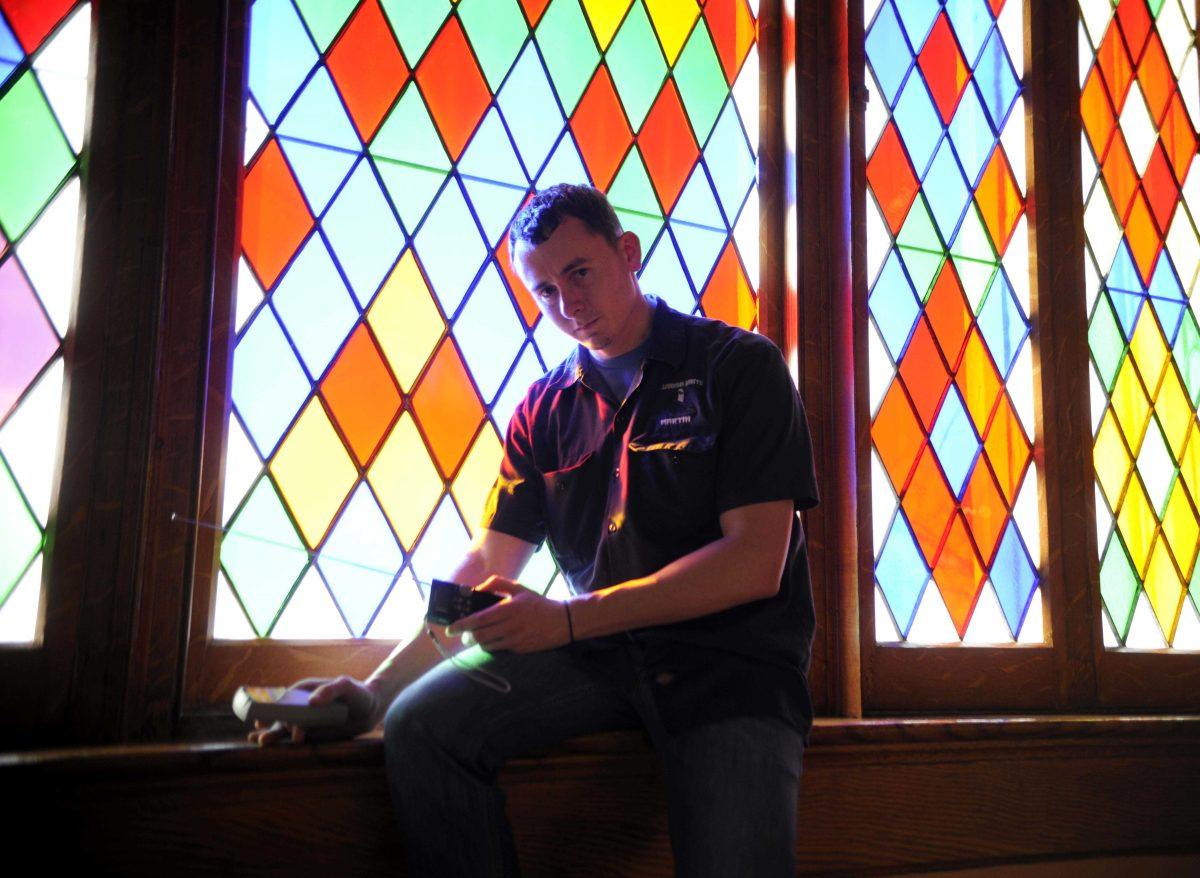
x: 581, y: 273
x: 545, y: 293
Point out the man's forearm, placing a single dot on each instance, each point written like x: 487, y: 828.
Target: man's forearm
x: 735, y: 569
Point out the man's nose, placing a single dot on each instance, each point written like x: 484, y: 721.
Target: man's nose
x: 572, y: 301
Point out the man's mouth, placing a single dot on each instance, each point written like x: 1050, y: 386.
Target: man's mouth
x: 587, y: 326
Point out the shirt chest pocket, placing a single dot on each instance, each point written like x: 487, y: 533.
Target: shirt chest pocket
x: 574, y: 509
x: 672, y: 484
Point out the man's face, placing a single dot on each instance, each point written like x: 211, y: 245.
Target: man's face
x: 586, y: 286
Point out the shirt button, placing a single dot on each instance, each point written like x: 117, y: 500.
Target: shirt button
x: 612, y: 527
x: 617, y: 473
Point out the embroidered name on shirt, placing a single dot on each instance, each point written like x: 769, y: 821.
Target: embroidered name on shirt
x: 679, y: 385
x: 674, y: 422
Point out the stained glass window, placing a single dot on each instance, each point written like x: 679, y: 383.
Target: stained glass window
x: 382, y: 339
x: 44, y: 49
x: 1139, y: 105
x: 954, y: 486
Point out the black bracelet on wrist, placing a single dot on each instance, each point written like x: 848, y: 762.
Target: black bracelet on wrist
x: 570, y: 626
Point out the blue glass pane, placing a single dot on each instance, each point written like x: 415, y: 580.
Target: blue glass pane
x: 946, y: 190
x: 1123, y: 275
x: 1166, y: 294
x: 442, y: 546
x: 901, y: 573
x: 1128, y: 306
x: 997, y: 82
x: 565, y: 165
x: 1014, y: 578
x: 888, y: 52
x: 1170, y: 315
x: 894, y: 306
x: 319, y: 116
x: 360, y: 559
x: 495, y: 205
x: 972, y: 20
x: 491, y: 155
x: 972, y: 134
x: 528, y: 105
x: 918, y: 122
x: 1002, y: 322
x: 525, y: 373
x: 953, y: 438
x: 663, y: 276
x: 412, y: 189
x: 319, y: 169
x: 729, y: 153
x: 267, y: 406
x: 450, y: 248
x: 315, y: 307
x: 553, y: 346
x: 364, y: 233
x: 281, y: 55
x: 489, y: 333
x: 10, y: 49
x: 918, y: 17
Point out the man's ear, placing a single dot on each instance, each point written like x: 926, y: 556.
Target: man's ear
x: 631, y: 248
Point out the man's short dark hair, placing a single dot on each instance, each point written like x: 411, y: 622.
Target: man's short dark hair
x: 545, y: 212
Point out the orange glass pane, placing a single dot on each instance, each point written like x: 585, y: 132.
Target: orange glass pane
x: 1134, y: 20
x: 447, y: 408
x: 668, y: 146
x: 1178, y: 138
x: 984, y: 510
x: 361, y: 394
x: 534, y: 10
x: 928, y: 504
x: 892, y: 178
x: 959, y: 575
x: 275, y: 218
x: 1143, y: 237
x: 368, y: 68
x: 948, y: 313
x: 453, y: 86
x: 1159, y: 184
x: 978, y: 381
x: 998, y: 199
x: 924, y: 374
x: 728, y: 296
x: 1120, y: 176
x: 1155, y: 77
x: 898, y: 437
x: 1098, y: 119
x: 1007, y: 449
x: 525, y: 304
x: 942, y: 63
x: 600, y: 129
x: 1114, y: 64
x: 733, y: 32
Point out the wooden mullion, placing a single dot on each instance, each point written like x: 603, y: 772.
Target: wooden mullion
x: 776, y: 175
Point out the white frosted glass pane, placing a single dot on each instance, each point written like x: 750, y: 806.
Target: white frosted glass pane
x: 885, y: 628
x: 1032, y: 628
x: 400, y: 616
x: 229, y: 622
x: 987, y: 625
x: 1144, y: 632
x: 48, y: 251
x: 311, y: 613
x: 18, y: 616
x: 932, y: 623
x: 29, y: 440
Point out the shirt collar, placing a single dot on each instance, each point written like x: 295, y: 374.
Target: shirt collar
x: 668, y: 342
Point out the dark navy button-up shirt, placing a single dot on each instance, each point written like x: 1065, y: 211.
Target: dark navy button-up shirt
x: 621, y: 488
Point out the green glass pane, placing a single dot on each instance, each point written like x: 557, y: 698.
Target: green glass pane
x: 325, y: 18
x: 262, y: 555
x: 412, y: 189
x: 1156, y: 6
x: 569, y: 50
x: 923, y: 267
x: 632, y: 195
x: 34, y: 155
x: 1194, y: 587
x: 415, y: 23
x: 20, y: 537
x: 1187, y: 355
x: 497, y: 31
x: 408, y: 135
x: 972, y: 239
x: 701, y: 82
x: 637, y: 65
x: 1106, y: 342
x: 1118, y: 585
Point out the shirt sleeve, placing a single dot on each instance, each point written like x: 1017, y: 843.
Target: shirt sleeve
x: 764, y: 451
x: 515, y: 505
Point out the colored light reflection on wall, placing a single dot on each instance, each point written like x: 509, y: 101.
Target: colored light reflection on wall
x: 44, y: 49
x: 1139, y: 106
x: 383, y: 340
x: 954, y: 487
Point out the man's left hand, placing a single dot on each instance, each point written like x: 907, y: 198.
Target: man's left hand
x: 524, y: 621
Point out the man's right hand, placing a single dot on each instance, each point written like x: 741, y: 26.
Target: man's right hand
x: 365, y: 711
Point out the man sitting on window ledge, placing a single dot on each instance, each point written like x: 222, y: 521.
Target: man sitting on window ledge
x: 664, y: 461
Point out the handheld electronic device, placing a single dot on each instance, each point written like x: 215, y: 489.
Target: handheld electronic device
x: 449, y: 602
x: 271, y: 704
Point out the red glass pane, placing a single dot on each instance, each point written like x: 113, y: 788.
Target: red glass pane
x: 1114, y: 64
x: 733, y: 32
x: 1120, y: 176
x: 948, y: 313
x: 534, y: 10
x: 668, y: 146
x: 892, y: 178
x: 1155, y: 77
x: 924, y: 374
x: 929, y: 504
x: 959, y: 575
x: 897, y: 435
x: 362, y: 394
x: 1134, y: 20
x: 275, y: 218
x: 729, y: 296
x: 525, y: 304
x: 600, y: 129
x: 946, y: 73
x: 368, y: 68
x: 1159, y: 185
x: 32, y: 20
x: 454, y: 88
x: 1178, y: 138
x: 447, y: 408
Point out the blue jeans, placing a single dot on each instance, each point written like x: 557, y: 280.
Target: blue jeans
x: 731, y: 785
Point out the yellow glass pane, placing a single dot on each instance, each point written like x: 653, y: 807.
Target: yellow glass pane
x: 406, y: 321
x: 1136, y: 522
x: 1149, y: 349
x: 605, y: 16
x: 405, y: 480
x: 1130, y: 404
x: 1164, y: 590
x: 1112, y: 460
x: 1180, y: 527
x: 475, y: 478
x: 673, y: 20
x: 1174, y: 411
x: 314, y: 472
